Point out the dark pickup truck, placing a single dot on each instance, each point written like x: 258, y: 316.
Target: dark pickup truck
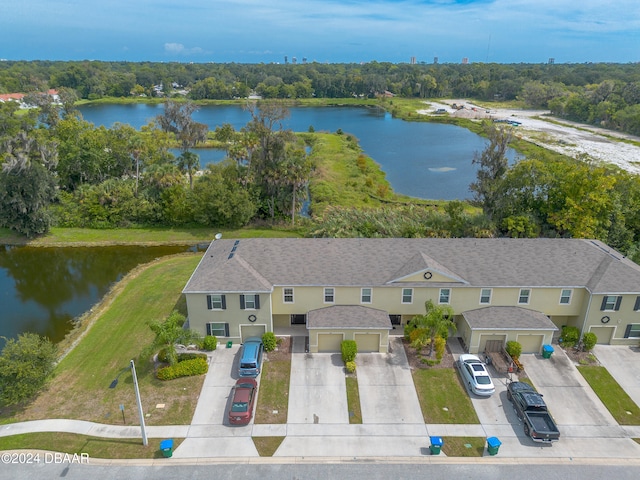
x: 531, y: 409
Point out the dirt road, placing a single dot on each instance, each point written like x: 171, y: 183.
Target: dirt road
x: 568, y: 138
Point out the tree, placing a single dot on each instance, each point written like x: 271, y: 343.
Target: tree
x: 27, y: 185
x: 435, y: 322
x: 189, y: 162
x: 493, y: 166
x: 177, y: 119
x: 169, y: 333
x: 26, y: 363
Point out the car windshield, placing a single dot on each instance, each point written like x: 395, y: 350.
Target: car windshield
x: 239, y: 406
x: 478, y: 367
x: 483, y: 380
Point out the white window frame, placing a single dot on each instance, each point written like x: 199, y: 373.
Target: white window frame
x: 407, y: 293
x: 329, y: 292
x: 286, y: 293
x: 527, y: 296
x: 488, y: 296
x: 447, y: 300
x: 613, y: 306
x: 363, y: 295
x: 216, y: 302
x: 220, y: 332
x: 635, y: 330
x: 567, y: 297
x: 249, y: 302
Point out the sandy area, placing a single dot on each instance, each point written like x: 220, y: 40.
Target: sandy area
x: 568, y: 138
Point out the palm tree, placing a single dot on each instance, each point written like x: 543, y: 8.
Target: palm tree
x: 170, y: 332
x: 189, y: 162
x: 435, y: 322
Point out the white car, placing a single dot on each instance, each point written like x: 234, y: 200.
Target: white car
x: 475, y: 375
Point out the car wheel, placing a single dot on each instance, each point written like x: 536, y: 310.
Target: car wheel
x: 526, y: 429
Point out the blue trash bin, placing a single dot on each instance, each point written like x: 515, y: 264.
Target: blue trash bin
x: 547, y: 351
x: 167, y: 448
x: 436, y: 445
x: 493, y: 445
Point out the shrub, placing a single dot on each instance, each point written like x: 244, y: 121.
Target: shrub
x: 269, y: 341
x: 190, y: 356
x: 163, y: 356
x: 210, y: 343
x: 350, y: 366
x: 570, y: 336
x: 439, y: 346
x: 589, y: 341
x: 408, y: 328
x: 514, y: 349
x: 418, y: 337
x: 187, y: 368
x: 349, y: 350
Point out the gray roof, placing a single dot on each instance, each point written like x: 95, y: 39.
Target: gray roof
x: 348, y: 316
x: 259, y: 264
x: 507, y: 318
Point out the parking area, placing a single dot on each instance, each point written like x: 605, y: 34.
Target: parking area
x: 621, y: 362
x: 567, y: 394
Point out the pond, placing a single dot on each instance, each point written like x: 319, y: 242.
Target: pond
x: 43, y: 289
x: 420, y: 159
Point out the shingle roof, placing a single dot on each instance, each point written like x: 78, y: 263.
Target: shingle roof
x: 348, y: 316
x: 258, y: 264
x: 507, y: 318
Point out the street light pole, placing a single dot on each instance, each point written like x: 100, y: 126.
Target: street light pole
x: 145, y: 442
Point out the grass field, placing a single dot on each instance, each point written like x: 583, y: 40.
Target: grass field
x: 619, y: 404
x: 442, y: 397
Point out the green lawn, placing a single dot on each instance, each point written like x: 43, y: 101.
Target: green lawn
x: 442, y: 397
x: 353, y: 400
x: 463, y: 446
x: 621, y: 406
x: 94, y: 447
x: 119, y: 333
x: 273, y: 399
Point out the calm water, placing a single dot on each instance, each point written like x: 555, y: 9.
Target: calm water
x: 43, y: 289
x: 424, y: 160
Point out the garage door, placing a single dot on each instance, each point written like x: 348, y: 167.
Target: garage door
x: 329, y: 342
x: 247, y: 331
x: 368, y: 342
x: 485, y: 338
x: 604, y: 334
x: 531, y: 343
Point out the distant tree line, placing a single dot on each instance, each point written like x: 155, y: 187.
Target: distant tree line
x: 598, y: 93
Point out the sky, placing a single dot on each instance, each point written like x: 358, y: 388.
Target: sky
x: 265, y: 31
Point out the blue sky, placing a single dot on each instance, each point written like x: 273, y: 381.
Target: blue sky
x: 254, y: 31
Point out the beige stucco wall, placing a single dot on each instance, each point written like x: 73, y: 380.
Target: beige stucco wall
x: 618, y: 319
x: 199, y: 315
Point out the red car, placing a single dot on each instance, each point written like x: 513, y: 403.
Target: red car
x: 243, y: 397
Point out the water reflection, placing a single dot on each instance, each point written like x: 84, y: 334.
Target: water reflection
x: 44, y: 289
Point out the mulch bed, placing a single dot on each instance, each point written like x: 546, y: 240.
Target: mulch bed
x: 580, y: 357
x: 282, y: 351
x: 415, y: 357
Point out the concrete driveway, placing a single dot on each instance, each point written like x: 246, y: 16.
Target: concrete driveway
x: 567, y: 394
x: 622, y: 362
x: 386, y: 388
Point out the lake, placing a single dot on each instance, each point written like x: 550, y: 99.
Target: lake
x: 420, y: 159
x: 43, y: 289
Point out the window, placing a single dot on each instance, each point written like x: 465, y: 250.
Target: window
x: 611, y: 302
x: 407, y: 295
x: 287, y: 295
x: 523, y: 298
x: 365, y: 295
x: 565, y: 297
x: 485, y: 295
x: 216, y: 302
x: 633, y: 331
x: 249, y: 302
x: 329, y: 295
x: 218, y: 329
x: 445, y: 293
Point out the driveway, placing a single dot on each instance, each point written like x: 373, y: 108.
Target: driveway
x: 621, y: 362
x: 567, y: 394
x: 386, y: 388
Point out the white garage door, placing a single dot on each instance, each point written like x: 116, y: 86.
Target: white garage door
x: 368, y: 342
x: 329, y: 342
x: 531, y: 343
x: 247, y: 331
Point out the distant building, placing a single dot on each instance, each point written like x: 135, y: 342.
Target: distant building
x: 551, y: 61
x: 465, y: 60
x: 413, y: 60
x: 435, y: 60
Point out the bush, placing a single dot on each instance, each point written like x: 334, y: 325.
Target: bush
x: 514, y: 349
x: 570, y: 336
x: 190, y: 356
x: 589, y: 341
x: 163, y: 355
x: 187, y: 368
x: 269, y: 341
x: 439, y: 346
x: 408, y: 328
x: 349, y: 350
x: 210, y: 343
x: 350, y: 366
